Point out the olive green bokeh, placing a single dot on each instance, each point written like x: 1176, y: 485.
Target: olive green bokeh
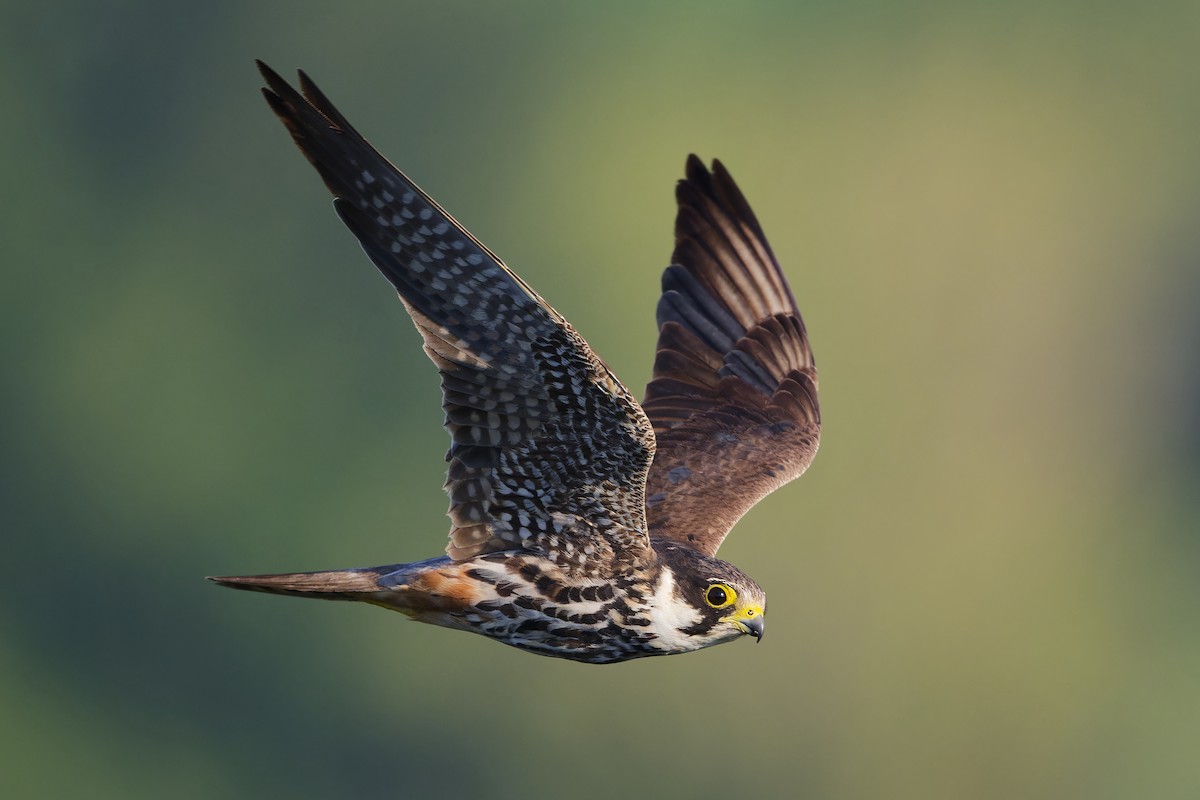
x: 988, y: 586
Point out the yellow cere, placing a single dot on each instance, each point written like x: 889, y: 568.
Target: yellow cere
x: 747, y: 613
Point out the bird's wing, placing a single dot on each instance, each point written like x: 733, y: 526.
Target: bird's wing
x: 733, y: 398
x: 549, y: 450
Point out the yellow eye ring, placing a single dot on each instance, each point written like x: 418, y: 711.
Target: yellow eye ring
x: 720, y: 595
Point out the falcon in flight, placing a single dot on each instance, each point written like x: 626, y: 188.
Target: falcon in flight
x: 583, y: 525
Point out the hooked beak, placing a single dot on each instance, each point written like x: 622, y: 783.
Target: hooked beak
x: 749, y: 620
x: 755, y: 626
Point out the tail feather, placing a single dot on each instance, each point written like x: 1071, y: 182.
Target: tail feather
x: 340, y: 584
x: 435, y: 590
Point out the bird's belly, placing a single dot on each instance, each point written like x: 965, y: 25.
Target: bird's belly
x: 530, y: 603
x: 597, y: 643
x: 527, y: 603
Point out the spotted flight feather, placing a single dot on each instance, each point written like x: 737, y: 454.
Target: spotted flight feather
x: 549, y: 450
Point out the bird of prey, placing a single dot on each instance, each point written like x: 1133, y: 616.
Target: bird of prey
x: 583, y: 525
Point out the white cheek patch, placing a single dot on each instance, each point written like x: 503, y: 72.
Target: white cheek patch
x: 669, y: 615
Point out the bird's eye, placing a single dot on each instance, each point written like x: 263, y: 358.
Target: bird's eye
x: 719, y: 595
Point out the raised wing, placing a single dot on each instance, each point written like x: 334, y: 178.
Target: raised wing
x: 549, y: 451
x: 734, y: 393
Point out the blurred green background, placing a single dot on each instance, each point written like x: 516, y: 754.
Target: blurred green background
x: 986, y: 587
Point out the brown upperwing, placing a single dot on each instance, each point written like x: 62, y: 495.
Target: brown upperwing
x: 733, y: 399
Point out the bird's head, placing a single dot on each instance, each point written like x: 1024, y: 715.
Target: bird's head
x: 738, y: 604
x: 716, y: 600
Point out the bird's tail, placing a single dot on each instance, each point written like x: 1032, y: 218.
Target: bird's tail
x: 425, y: 590
x: 335, y: 584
